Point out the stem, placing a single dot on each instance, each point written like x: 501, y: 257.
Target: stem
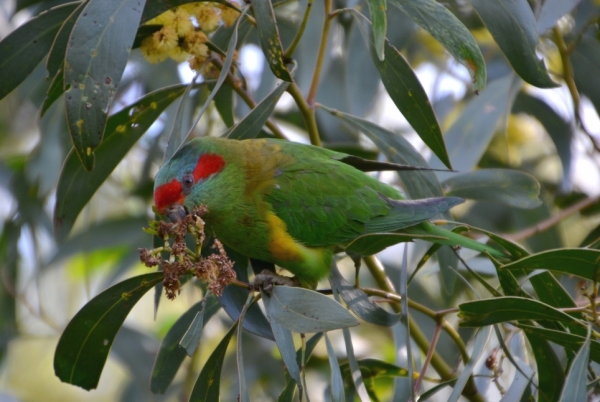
x: 312, y: 93
x: 434, y: 340
x: 552, y: 221
x: 290, y: 50
x: 307, y: 112
x: 441, y: 367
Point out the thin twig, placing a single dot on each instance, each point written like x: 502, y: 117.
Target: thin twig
x: 552, y: 221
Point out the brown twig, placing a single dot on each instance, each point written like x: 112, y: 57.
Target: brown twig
x: 552, y: 221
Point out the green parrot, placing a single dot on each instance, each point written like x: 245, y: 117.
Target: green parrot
x: 291, y: 204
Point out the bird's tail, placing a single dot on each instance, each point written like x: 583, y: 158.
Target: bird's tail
x: 454, y: 239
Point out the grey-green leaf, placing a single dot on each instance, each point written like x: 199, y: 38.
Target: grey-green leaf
x: 269, y: 38
x: 306, y: 311
x: 283, y: 338
x: 406, y: 91
x: 575, y: 388
x: 377, y: 9
x: 337, y: 385
x: 513, y: 26
x: 250, y: 126
x: 208, y: 384
x: 76, y: 186
x: 510, y: 187
x: 359, y: 302
x: 502, y: 309
x: 450, y: 32
x: 580, y: 262
x: 27, y: 45
x: 97, y: 53
x: 171, y: 355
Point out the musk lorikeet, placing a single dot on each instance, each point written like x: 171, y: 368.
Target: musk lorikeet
x: 291, y: 204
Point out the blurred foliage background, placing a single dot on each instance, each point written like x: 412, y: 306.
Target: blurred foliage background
x: 521, y: 121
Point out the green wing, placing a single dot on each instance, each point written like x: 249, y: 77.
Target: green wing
x: 325, y: 202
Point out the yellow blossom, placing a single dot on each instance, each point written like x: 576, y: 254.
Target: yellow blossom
x: 194, y: 43
x: 228, y: 15
x: 197, y: 62
x: 183, y: 23
x: 167, y: 19
x: 165, y: 39
x: 207, y: 16
x: 178, y: 54
x: 150, y: 53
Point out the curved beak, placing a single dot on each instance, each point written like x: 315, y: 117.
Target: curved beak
x: 176, y: 212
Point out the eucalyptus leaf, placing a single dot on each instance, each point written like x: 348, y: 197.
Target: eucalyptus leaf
x: 269, y: 38
x: 84, y: 345
x: 284, y: 340
x: 76, y: 186
x: 98, y: 49
x: 250, y: 126
x: 406, y: 91
x: 450, y: 32
x: 337, y: 385
x: 580, y: 262
x: 24, y: 48
x: 575, y: 388
x: 377, y: 9
x: 359, y: 302
x: 208, y: 384
x: 513, y: 26
x: 510, y: 187
x: 171, y: 355
x: 305, y: 311
x: 567, y: 340
x: 502, y: 309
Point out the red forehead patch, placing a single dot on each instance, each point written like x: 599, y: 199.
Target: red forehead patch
x: 168, y: 194
x: 208, y: 164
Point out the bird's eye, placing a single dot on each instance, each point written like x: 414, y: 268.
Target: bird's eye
x: 187, y: 182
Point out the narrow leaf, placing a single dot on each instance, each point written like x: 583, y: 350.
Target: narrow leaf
x: 54, y: 92
x: 254, y: 121
x: 27, y: 45
x: 513, y: 26
x: 420, y: 184
x: 305, y: 311
x: 471, y: 133
x: 234, y: 298
x: 481, y: 340
x: 84, y: 345
x: 567, y: 340
x: 337, y: 385
x: 56, y: 57
x: 284, y: 340
x: 224, y: 104
x: 76, y: 186
x: 359, y: 302
x: 502, y: 309
x: 171, y: 355
x: 377, y: 9
x: 97, y: 53
x: 269, y: 38
x: 580, y: 262
x: 510, y: 187
x: 290, y: 386
x: 406, y: 91
x: 374, y: 243
x: 450, y: 32
x: 521, y: 384
x: 207, y: 386
x: 553, y: 10
x: 575, y: 388
x: 549, y: 369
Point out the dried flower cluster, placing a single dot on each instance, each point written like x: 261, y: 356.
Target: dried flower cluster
x: 183, y: 33
x: 216, y: 269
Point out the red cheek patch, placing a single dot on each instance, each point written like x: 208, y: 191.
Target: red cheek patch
x: 208, y: 164
x: 168, y: 194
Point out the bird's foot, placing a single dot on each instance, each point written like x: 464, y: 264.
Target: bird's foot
x: 267, y: 279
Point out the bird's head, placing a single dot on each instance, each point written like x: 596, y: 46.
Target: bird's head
x: 181, y: 178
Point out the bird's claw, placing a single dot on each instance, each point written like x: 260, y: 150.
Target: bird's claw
x: 267, y: 279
